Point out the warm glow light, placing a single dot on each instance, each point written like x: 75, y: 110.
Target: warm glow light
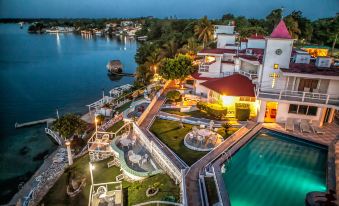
x: 92, y: 167
x: 276, y: 66
x: 96, y: 120
x: 227, y: 100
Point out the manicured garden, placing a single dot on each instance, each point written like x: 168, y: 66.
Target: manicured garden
x: 133, y: 192
x: 172, y: 134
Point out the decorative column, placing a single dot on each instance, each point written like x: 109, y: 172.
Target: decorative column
x: 262, y: 111
x: 69, y: 152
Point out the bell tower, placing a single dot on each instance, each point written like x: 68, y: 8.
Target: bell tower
x: 277, y: 55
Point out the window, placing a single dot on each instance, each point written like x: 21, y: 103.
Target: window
x: 303, y: 109
x: 247, y: 99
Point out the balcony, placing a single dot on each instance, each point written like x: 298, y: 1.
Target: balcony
x: 251, y: 75
x: 204, y: 66
x: 299, y: 96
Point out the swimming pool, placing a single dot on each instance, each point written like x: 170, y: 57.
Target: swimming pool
x: 275, y: 169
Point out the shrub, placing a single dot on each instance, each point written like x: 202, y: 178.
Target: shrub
x: 242, y: 111
x: 173, y: 95
x: 214, y: 110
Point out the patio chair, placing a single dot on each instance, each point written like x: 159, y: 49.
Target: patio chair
x: 289, y: 124
x: 316, y: 129
x: 304, y: 126
x: 130, y: 152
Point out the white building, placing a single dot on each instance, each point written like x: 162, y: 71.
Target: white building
x: 287, y: 83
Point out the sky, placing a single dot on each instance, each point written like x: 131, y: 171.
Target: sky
x: 312, y: 9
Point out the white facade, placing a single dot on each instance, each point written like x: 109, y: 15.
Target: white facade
x: 226, y: 41
x: 256, y: 43
x: 223, y: 29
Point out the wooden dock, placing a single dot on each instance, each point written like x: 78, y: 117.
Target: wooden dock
x: 41, y: 121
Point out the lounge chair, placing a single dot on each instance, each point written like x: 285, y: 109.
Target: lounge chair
x: 304, y: 126
x: 289, y: 125
x: 317, y: 129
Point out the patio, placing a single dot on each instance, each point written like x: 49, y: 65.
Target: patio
x: 330, y: 132
x: 202, y: 139
x: 135, y: 155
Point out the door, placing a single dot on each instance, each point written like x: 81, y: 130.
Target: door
x: 307, y: 83
x: 271, y: 112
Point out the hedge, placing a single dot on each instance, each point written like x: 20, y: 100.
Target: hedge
x: 242, y: 111
x: 213, y: 110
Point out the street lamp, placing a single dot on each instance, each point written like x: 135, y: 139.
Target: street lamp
x: 69, y: 152
x: 91, y: 168
x: 96, y: 127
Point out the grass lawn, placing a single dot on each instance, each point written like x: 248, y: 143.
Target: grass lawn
x: 172, y: 135
x: 116, y: 126
x: 133, y: 192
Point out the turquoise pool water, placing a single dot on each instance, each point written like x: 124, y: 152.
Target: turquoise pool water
x: 274, y: 169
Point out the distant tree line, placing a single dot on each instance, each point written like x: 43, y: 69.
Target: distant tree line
x: 166, y: 38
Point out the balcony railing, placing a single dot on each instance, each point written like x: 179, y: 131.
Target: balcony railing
x: 204, y: 66
x: 248, y: 74
x: 299, y: 96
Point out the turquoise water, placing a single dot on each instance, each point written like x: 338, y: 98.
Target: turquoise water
x: 39, y: 73
x: 273, y: 169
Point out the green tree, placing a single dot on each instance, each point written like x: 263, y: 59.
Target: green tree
x: 273, y: 19
x: 143, y: 52
x: 143, y: 75
x: 191, y: 48
x: 69, y: 125
x: 154, y: 59
x: 177, y: 68
x: 204, y: 30
x: 170, y: 48
x: 292, y: 26
x: 173, y: 95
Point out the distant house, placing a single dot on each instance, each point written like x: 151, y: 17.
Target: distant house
x: 126, y: 23
x: 114, y: 66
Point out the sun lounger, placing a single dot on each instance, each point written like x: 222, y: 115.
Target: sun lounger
x: 289, y: 125
x: 317, y: 130
x: 304, y: 126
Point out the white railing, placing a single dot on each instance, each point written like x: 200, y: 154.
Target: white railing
x: 158, y: 203
x: 54, y: 135
x: 299, y: 96
x: 249, y: 75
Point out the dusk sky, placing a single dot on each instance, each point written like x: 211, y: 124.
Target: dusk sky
x: 161, y: 8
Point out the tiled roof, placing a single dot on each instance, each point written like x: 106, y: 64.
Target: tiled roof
x: 218, y: 51
x: 234, y: 85
x: 311, y: 69
x: 197, y: 76
x: 281, y: 31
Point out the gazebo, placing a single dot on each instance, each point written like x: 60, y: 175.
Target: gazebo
x: 114, y: 67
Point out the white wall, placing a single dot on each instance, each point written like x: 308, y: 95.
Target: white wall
x: 224, y: 29
x: 333, y: 87
x: 199, y: 88
x: 226, y: 67
x: 256, y: 43
x: 225, y: 39
x: 271, y: 58
x: 282, y: 114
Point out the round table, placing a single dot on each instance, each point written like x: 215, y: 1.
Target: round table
x: 134, y: 158
x: 204, y: 132
x: 125, y: 142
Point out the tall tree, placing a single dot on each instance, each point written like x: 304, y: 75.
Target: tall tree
x: 170, y: 48
x: 143, y: 76
x: 273, y: 19
x: 177, y: 68
x: 292, y: 26
x: 204, y: 30
x: 154, y: 59
x: 69, y: 125
x: 191, y: 48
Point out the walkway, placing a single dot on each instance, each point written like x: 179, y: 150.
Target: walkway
x: 192, y: 176
x: 199, y: 121
x: 147, y: 123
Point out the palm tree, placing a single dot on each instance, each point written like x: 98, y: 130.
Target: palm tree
x: 204, y: 30
x: 170, y: 48
x: 154, y: 59
x: 192, y: 47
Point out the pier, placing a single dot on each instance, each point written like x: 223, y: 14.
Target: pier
x: 41, y: 121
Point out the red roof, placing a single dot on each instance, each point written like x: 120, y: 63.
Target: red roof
x: 218, y: 51
x: 256, y: 36
x: 234, y: 85
x: 197, y: 76
x: 281, y: 31
x: 311, y: 69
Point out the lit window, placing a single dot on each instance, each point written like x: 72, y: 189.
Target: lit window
x: 276, y: 66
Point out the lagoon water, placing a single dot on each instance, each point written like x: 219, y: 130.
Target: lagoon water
x: 39, y: 73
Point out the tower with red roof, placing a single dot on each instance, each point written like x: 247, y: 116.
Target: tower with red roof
x: 277, y: 55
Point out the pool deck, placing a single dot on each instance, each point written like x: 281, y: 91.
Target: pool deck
x: 192, y: 176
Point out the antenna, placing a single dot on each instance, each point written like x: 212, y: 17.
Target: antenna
x: 282, y: 12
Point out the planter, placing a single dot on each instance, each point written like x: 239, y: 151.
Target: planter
x: 150, y: 192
